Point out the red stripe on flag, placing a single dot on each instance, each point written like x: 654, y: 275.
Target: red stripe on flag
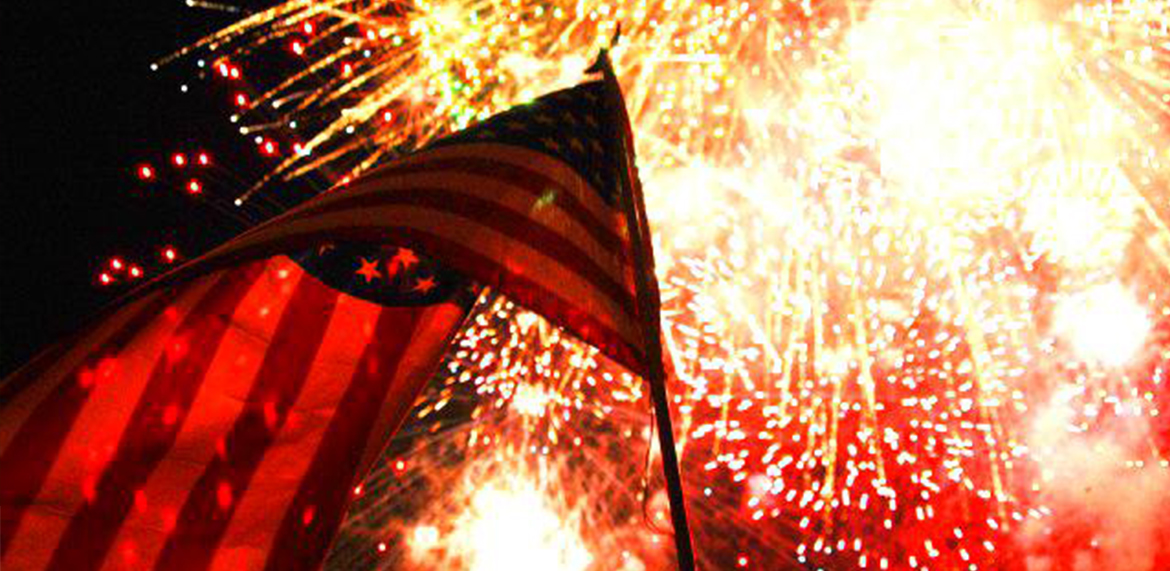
x: 531, y: 181
x: 21, y: 378
x: 24, y: 390
x: 218, y: 403
x: 30, y: 455
x: 512, y: 156
x: 91, y: 443
x: 324, y: 492
x: 541, y: 207
x: 76, y: 347
x: 433, y: 336
x: 154, y: 423
x: 261, y: 508
x: 204, y: 517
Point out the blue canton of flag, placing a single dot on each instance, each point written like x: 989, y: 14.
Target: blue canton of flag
x: 386, y: 274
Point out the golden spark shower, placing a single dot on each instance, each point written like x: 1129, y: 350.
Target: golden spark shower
x: 914, y: 257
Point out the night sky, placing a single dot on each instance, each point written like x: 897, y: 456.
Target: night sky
x: 81, y: 110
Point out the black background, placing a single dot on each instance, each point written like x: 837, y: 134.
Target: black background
x: 81, y: 109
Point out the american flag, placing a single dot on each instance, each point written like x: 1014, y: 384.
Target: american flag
x: 220, y: 417
x: 526, y: 201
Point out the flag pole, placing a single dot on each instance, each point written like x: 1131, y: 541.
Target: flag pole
x: 648, y: 309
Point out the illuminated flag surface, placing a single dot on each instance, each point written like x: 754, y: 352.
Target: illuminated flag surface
x: 219, y: 417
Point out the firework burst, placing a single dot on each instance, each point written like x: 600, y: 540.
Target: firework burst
x: 913, y: 259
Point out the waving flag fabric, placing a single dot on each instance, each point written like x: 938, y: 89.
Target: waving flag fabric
x: 219, y: 418
x: 526, y: 201
x: 222, y: 424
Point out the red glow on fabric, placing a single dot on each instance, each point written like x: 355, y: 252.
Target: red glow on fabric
x: 140, y: 501
x: 223, y: 495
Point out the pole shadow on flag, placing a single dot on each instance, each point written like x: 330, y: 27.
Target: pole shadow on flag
x: 223, y: 415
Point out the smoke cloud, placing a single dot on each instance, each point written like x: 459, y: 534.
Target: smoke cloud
x: 1104, y: 491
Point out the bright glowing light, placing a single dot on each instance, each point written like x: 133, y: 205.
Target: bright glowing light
x: 512, y: 526
x: 956, y: 97
x: 530, y: 400
x: 1082, y: 215
x: 423, y: 540
x: 1104, y: 323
